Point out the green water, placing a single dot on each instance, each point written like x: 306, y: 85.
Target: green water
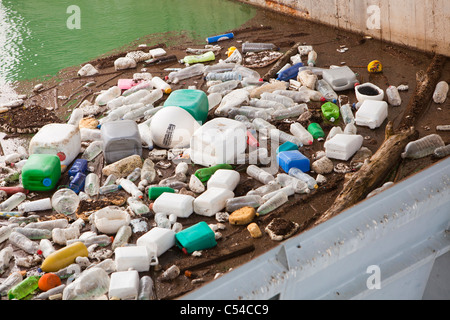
x: 35, y: 38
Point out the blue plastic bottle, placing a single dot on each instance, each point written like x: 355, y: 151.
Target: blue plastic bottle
x: 290, y: 73
x: 80, y: 165
x: 77, y: 183
x: 221, y: 37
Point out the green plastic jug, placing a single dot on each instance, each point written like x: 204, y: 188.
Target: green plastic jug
x: 155, y: 192
x: 330, y: 111
x: 193, y: 101
x: 204, y: 174
x: 316, y: 130
x: 197, y: 237
x: 41, y: 172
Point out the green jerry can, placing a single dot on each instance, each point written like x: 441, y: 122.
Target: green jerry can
x: 193, y: 101
x: 197, y: 237
x: 41, y: 172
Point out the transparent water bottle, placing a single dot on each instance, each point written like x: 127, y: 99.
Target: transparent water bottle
x: 5, y: 231
x: 13, y: 201
x: 102, y: 240
x: 234, y: 204
x: 34, y: 233
x: 312, y: 58
x: 104, y: 97
x: 299, y: 186
x: 423, y: 147
x: 6, y: 255
x: 137, y: 113
x: 261, y: 124
x: 93, y: 150
x: 327, y: 91
x: 273, y: 203
x: 146, y: 288
x: 440, y: 92
x: 249, y: 113
x: 188, y: 72
x: 110, y: 188
x: 152, y: 97
x: 144, y: 85
x: 310, y: 181
x: 131, y: 188
x: 137, y: 206
x: 22, y: 242
x: 301, y: 133
x: 257, y: 47
x: 92, y: 283
x: 442, y: 152
x: 223, y: 87
x: 288, y: 190
x: 247, y: 72
x: 347, y: 113
x: 122, y: 236
x: 284, y: 100
x: 162, y: 220
x: 267, y: 104
x: 223, y: 76
x: 171, y: 273
x: 10, y: 282
x: 291, y: 112
x: 283, y: 137
x: 135, y: 174
x: 115, y: 103
x: 92, y: 184
x: 259, y: 174
x: 46, y: 247
x: 148, y: 171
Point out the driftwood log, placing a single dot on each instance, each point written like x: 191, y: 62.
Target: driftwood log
x: 281, y: 62
x: 375, y: 171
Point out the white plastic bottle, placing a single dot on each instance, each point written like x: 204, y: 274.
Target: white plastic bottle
x: 76, y: 117
x: 440, y: 92
x: 223, y: 87
x: 104, y: 97
x: 22, y: 242
x: 442, y: 152
x: 6, y: 255
x: 46, y: 247
x: 393, y: 96
x: 273, y: 203
x: 301, y: 133
x: 131, y: 188
x: 291, y: 112
x: 423, y: 147
x: 93, y: 150
x: 284, y: 100
x: 259, y: 174
x: 310, y: 181
x: 36, y: 205
x: 312, y: 58
x: 188, y: 72
x: 160, y: 84
x: 5, y: 231
x: 122, y: 236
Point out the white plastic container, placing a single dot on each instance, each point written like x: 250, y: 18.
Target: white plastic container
x: 180, y: 204
x: 371, y: 113
x: 109, y: 219
x: 225, y: 179
x: 340, y: 79
x: 212, y: 201
x: 218, y: 141
x: 161, y: 239
x: 343, y: 146
x: 362, y: 97
x: 158, y: 52
x: 124, y: 285
x: 64, y: 140
x: 135, y: 257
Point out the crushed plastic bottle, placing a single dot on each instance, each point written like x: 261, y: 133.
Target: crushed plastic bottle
x: 22, y: 242
x: 273, y: 203
x: 393, y: 96
x: 91, y: 284
x: 122, y: 236
x: 310, y: 181
x: 6, y: 255
x: 422, y: 147
x: 259, y: 174
x: 92, y: 184
x: 327, y: 91
x: 146, y: 288
x: 442, y: 152
x: 13, y: 201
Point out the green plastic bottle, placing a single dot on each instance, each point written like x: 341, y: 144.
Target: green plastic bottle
x: 330, y: 111
x: 205, y: 173
x: 316, y: 130
x: 155, y: 192
x: 208, y: 56
x: 24, y: 288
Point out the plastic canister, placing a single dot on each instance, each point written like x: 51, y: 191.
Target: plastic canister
x: 293, y: 159
x: 63, y: 140
x: 223, y: 178
x: 197, y: 237
x: 124, y: 285
x: 136, y: 257
x: 161, y: 238
x: 371, y: 113
x: 155, y: 191
x: 316, y: 131
x: 340, y: 79
x: 179, y: 204
x: 193, y: 101
x: 120, y: 140
x: 212, y: 201
x: 343, y: 146
x: 41, y: 172
x: 330, y: 111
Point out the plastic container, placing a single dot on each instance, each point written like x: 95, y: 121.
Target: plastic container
x: 200, y: 58
x: 24, y: 288
x: 218, y: 141
x: 327, y: 91
x: 157, y: 239
x: 89, y: 285
x: 293, y: 159
x: 220, y: 37
x: 80, y: 165
x: 193, y: 101
x: 106, y: 96
x: 316, y: 131
x: 197, y: 237
x: 257, y: 47
x: 440, y: 92
x: 343, y: 146
x: 63, y: 140
x: 124, y: 285
x: 120, y: 140
x: 393, y: 96
x: 423, y: 147
x: 340, y: 79
x: 330, y: 111
x: 289, y: 73
x: 41, y: 172
x: 64, y: 257
x: 65, y: 201
x: 223, y: 178
x: 212, y: 201
x: 109, y: 219
x: 182, y: 205
x: 236, y: 203
x: 312, y: 58
x: 301, y: 133
x: 292, y: 112
x: 372, y: 113
x: 368, y: 91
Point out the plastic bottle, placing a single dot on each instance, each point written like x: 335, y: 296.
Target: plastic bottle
x: 204, y: 174
x: 93, y: 150
x: 5, y: 231
x: 347, y: 113
x: 46, y: 247
x: 146, y: 288
x: 330, y: 111
x: 312, y: 58
x: 144, y: 85
x: 310, y: 181
x: 393, y: 96
x: 265, y: 189
x: 171, y: 273
x: 92, y: 184
x: 22, y: 242
x: 205, y: 57
x: 148, y: 171
x: 6, y: 255
x: 423, y: 147
x: 37, y: 205
x: 137, y: 206
x: 76, y: 117
x: 64, y: 257
x: 61, y: 236
x: 327, y: 91
x: 301, y: 133
x: 259, y: 174
x: 13, y: 201
x: 234, y: 204
x: 122, y: 236
x: 261, y: 124
x: 273, y: 203
x: 289, y: 73
x: 249, y: 113
x: 115, y: 103
x: 442, y: 152
x: 130, y: 187
x: 159, y: 83
x: 34, y: 233
x: 49, y: 224
x: 161, y: 220
x: 24, y: 288
x: 351, y: 128
x: 291, y: 112
x: 188, y: 72
x: 223, y: 76
x: 223, y: 87
x: 77, y: 183
x: 440, y: 92
x: 282, y: 137
x: 257, y: 47
x: 137, y: 113
x: 10, y: 282
x: 92, y: 283
x: 110, y: 188
x: 286, y: 101
x: 316, y: 131
x: 135, y: 174
x: 104, y: 97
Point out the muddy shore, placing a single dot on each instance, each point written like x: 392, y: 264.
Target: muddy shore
x: 400, y: 66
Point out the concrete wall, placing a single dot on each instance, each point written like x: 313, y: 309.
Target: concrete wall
x: 422, y: 24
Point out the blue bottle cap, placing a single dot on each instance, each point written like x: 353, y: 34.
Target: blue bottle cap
x: 47, y: 182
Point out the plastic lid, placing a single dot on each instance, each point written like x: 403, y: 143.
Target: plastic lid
x: 47, y: 182
x: 61, y: 156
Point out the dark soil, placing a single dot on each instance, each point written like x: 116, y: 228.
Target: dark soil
x: 400, y: 66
